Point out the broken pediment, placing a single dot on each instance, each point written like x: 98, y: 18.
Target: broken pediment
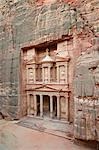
x: 62, y: 59
x: 32, y: 61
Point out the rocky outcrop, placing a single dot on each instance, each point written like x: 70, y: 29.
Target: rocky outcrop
x: 86, y: 95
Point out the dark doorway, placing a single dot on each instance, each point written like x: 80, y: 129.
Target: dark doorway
x: 31, y: 112
x: 46, y: 105
x: 38, y: 105
x: 54, y: 106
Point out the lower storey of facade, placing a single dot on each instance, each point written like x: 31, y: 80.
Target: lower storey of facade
x: 48, y: 104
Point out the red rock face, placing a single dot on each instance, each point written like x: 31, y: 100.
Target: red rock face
x: 41, y: 2
x: 52, y: 1
x: 70, y: 1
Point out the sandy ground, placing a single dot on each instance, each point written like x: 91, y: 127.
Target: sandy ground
x: 15, y: 137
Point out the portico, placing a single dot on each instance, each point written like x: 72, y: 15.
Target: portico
x: 48, y: 102
x: 45, y: 104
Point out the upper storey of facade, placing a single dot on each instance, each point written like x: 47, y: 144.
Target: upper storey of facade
x: 47, y: 64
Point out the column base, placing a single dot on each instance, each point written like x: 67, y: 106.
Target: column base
x: 28, y: 112
x: 41, y: 114
x: 35, y: 113
x: 58, y: 117
x: 51, y: 114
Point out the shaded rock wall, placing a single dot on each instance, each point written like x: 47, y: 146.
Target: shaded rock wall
x: 86, y: 87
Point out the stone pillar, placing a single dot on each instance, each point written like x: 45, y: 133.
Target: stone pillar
x: 66, y: 73
x: 46, y: 74
x: 51, y: 106
x: 58, y: 107
x: 27, y: 75
x: 67, y: 109
x: 49, y: 74
x: 57, y: 73
x: 34, y: 71
x: 35, y: 105
x: 41, y: 105
x: 28, y: 104
x: 43, y: 74
x: 31, y: 104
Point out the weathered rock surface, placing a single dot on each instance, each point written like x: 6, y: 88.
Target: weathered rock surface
x: 86, y: 88
x: 31, y: 22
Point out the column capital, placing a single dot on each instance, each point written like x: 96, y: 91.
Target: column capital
x: 34, y: 94
x: 49, y: 66
x: 66, y: 95
x: 58, y: 96
x: 40, y: 95
x: 57, y: 65
x: 66, y: 63
x: 50, y: 96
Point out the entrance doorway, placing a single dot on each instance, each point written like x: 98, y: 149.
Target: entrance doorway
x: 46, y: 105
x: 38, y: 105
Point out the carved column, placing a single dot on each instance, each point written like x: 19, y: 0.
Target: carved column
x: 31, y: 104
x: 27, y: 75
x: 58, y: 107
x: 51, y: 106
x: 67, y: 106
x: 35, y: 105
x: 41, y: 105
x: 49, y: 74
x: 34, y: 71
x: 66, y: 73
x: 28, y: 104
x: 58, y: 73
x: 43, y: 74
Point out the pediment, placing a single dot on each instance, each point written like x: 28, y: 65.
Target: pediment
x: 62, y: 59
x: 48, y: 88
x: 45, y: 88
